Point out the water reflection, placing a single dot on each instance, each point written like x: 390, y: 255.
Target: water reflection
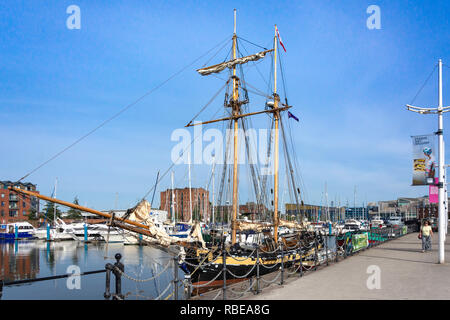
x: 19, y: 260
x: 35, y: 259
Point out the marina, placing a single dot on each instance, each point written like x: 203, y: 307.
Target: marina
x: 228, y: 185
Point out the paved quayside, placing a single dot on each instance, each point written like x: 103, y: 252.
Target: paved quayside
x: 406, y: 273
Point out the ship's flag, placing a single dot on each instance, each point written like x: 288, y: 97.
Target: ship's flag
x: 279, y: 39
x: 290, y: 115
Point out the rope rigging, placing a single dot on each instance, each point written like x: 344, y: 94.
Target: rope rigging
x: 121, y: 111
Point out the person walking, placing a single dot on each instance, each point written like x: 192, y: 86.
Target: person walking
x: 425, y: 234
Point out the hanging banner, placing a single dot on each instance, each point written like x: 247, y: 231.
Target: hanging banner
x: 360, y: 241
x: 423, y: 159
x: 434, y: 192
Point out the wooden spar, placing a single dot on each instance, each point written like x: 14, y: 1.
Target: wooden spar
x: 78, y: 207
x: 236, y: 111
x: 222, y: 63
x: 276, y: 114
x: 130, y: 228
x: 238, y: 116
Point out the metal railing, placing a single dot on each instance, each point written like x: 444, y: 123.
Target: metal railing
x: 323, y: 250
x: 327, y: 249
x: 62, y: 276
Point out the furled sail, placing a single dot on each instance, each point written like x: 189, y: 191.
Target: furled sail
x: 230, y: 64
x: 293, y: 224
x: 140, y: 213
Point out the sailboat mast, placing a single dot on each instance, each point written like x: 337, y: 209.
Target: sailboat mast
x: 213, y: 182
x: 190, y: 189
x: 235, y: 164
x: 276, y: 118
x: 173, y: 201
x: 54, y: 208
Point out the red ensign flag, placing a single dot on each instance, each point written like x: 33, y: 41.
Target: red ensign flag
x: 279, y: 39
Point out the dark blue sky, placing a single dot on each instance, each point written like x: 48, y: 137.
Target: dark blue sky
x: 348, y: 85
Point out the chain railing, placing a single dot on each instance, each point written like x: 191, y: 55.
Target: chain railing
x: 268, y: 267
x: 264, y: 267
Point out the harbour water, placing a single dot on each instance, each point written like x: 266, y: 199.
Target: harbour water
x: 35, y: 259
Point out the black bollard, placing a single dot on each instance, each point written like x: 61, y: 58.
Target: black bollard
x: 188, y: 286
x: 118, y: 269
x: 107, y: 293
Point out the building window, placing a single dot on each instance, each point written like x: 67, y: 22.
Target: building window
x: 3, y: 213
x: 3, y: 203
x: 3, y: 195
x: 13, y: 213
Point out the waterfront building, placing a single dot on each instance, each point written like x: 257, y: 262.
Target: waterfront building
x: 356, y: 213
x: 407, y: 208
x: 315, y: 213
x: 181, y: 204
x: 15, y: 207
x: 250, y: 210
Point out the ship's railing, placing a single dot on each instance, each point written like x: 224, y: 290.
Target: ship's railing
x: 324, y: 250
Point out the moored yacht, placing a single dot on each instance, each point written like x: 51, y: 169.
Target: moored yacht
x: 17, y: 230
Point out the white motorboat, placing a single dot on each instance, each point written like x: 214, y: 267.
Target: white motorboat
x: 60, y: 231
x: 377, y: 222
x: 97, y: 232
x: 24, y: 231
x: 351, y: 225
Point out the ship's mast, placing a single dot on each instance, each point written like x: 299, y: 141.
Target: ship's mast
x: 173, y: 201
x: 236, y: 108
x: 276, y: 115
x: 54, y: 208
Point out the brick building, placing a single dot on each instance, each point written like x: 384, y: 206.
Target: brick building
x: 13, y: 206
x: 250, y: 210
x: 201, y: 208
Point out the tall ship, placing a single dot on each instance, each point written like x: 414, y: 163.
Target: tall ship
x: 277, y: 240
x: 237, y: 242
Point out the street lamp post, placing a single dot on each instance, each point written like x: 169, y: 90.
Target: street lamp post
x: 442, y: 201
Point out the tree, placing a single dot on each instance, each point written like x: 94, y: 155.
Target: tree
x: 49, y: 211
x: 32, y: 214
x: 74, y: 213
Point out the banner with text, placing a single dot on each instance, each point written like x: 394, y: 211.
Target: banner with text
x: 434, y: 192
x: 423, y: 159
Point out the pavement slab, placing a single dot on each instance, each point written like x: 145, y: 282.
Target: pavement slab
x: 395, y: 270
